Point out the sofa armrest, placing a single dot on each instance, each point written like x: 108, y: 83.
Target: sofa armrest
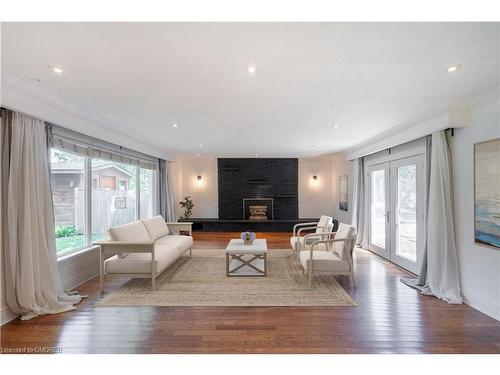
x: 180, y: 226
x: 124, y: 243
x: 125, y: 246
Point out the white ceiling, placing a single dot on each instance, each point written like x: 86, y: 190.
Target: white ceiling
x: 367, y: 78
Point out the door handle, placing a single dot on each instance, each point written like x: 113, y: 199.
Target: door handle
x: 387, y: 216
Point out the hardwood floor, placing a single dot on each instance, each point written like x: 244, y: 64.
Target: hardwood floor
x: 390, y: 318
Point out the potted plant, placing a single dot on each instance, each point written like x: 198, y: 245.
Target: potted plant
x: 247, y: 237
x: 187, y: 205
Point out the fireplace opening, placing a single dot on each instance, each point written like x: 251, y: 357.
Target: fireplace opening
x: 258, y: 209
x: 257, y: 212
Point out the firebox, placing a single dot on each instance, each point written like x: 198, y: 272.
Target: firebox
x: 258, y: 208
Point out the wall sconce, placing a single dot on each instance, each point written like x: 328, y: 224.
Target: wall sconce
x: 199, y: 182
x: 314, y: 182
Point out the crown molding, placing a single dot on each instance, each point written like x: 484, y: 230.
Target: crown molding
x: 26, y: 97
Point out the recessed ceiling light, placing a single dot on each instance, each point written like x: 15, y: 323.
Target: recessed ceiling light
x: 336, y: 125
x: 175, y: 125
x: 197, y: 154
x: 57, y: 70
x: 256, y: 155
x: 201, y: 145
x: 251, y: 69
x: 453, y: 68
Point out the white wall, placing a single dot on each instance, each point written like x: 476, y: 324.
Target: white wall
x: 322, y: 196
x: 315, y: 196
x: 204, y: 192
x: 341, y: 167
x: 479, y: 265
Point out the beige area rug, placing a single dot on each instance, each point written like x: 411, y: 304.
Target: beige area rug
x: 201, y: 280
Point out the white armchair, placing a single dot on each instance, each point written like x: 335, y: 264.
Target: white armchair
x: 329, y: 253
x: 324, y: 225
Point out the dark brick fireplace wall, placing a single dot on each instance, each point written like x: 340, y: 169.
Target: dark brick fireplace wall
x: 258, y: 178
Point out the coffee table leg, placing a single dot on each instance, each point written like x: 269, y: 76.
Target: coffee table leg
x: 265, y: 264
x: 227, y: 264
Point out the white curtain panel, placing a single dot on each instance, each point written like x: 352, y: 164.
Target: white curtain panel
x: 439, y: 275
x: 359, y: 215
x: 167, y: 205
x: 442, y: 261
x: 31, y: 274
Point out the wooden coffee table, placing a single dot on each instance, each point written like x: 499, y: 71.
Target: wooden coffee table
x: 246, y: 260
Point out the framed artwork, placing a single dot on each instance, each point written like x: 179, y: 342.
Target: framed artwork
x: 343, y: 194
x: 487, y: 193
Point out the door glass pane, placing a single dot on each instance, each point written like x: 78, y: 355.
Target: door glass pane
x: 406, y: 213
x: 67, y: 179
x: 147, y: 185
x: 378, y: 208
x: 113, y: 196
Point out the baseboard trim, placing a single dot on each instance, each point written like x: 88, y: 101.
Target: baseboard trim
x: 482, y: 305
x: 7, y: 316
x: 81, y: 278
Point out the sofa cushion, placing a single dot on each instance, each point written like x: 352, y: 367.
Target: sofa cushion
x: 156, y: 227
x: 141, y: 262
x: 324, y: 221
x: 340, y: 247
x: 129, y: 232
x: 324, y: 261
x: 177, y: 242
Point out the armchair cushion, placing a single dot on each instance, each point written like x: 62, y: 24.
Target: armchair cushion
x: 324, y: 221
x: 293, y: 241
x: 156, y: 227
x: 340, y: 247
x: 324, y: 261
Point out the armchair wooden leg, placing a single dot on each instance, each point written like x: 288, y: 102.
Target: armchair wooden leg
x: 353, y: 280
x: 153, y: 283
x: 310, y: 276
x: 190, y: 251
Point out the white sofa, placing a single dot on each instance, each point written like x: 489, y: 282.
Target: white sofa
x: 143, y: 249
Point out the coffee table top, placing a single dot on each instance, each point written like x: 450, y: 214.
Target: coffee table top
x: 237, y: 246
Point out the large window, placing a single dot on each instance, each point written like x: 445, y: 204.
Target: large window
x: 90, y: 195
x: 68, y: 176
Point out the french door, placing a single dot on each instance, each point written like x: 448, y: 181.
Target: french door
x: 379, y: 203
x: 396, y: 211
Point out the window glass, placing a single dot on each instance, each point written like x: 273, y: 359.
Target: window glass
x: 113, y: 196
x: 68, y: 196
x: 147, y: 185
